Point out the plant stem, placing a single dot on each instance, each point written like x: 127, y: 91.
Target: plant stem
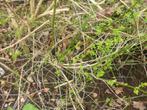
x: 53, y: 22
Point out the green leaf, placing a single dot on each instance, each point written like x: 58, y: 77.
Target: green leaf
x: 136, y: 90
x: 19, y: 32
x: 98, y: 30
x: 116, y: 32
x: 16, y: 54
x: 143, y: 84
x: 100, y: 74
x: 9, y: 108
x: 111, y: 82
x: 108, y: 100
x: 145, y: 20
x: 3, y: 18
x: 29, y: 106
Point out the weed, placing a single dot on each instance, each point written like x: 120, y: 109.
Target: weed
x: 91, y: 47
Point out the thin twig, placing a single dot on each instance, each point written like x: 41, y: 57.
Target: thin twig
x: 53, y: 21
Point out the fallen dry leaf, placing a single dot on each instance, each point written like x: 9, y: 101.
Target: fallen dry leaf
x: 108, y: 91
x: 22, y: 99
x: 94, y: 95
x: 2, y: 71
x: 118, y: 90
x: 45, y: 90
x: 29, y: 78
x: 105, y: 12
x: 139, y: 105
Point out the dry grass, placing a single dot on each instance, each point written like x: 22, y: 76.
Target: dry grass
x: 79, y: 55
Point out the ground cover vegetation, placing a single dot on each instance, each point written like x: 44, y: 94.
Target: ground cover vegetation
x: 73, y: 55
